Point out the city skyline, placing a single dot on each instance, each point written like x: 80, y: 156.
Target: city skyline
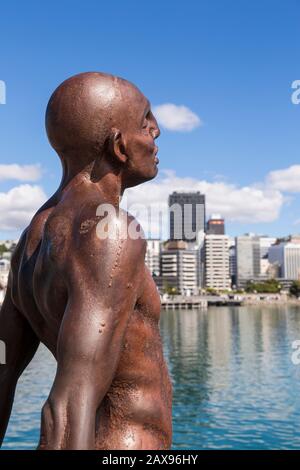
x: 199, y: 255
x: 229, y: 124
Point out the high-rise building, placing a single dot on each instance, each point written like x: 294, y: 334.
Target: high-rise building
x: 217, y: 262
x: 186, y: 215
x: 247, y: 258
x: 287, y: 257
x: 152, y: 258
x: 180, y: 267
x: 215, y: 225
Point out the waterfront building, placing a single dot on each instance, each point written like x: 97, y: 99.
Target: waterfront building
x: 287, y: 256
x: 217, y: 275
x: 247, y: 258
x: 180, y: 267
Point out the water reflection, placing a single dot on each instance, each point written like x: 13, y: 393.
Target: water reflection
x: 234, y: 383
x: 32, y: 390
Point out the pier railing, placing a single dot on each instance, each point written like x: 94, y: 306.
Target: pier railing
x: 196, y: 302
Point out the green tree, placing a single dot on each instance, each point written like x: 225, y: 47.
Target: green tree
x: 211, y: 291
x: 167, y: 289
x: 270, y: 286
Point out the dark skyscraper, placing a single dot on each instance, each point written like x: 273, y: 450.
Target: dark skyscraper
x: 216, y: 225
x: 186, y: 215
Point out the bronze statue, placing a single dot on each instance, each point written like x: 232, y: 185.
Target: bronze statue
x: 91, y: 300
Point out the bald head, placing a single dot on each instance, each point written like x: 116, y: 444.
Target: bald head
x: 83, y: 110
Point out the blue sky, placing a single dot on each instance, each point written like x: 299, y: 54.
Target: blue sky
x: 231, y: 62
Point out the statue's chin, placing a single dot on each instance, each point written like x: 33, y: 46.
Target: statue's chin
x: 140, y: 179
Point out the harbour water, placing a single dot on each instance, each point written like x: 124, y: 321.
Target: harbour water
x: 235, y: 385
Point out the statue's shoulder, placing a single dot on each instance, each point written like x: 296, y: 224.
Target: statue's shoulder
x: 102, y: 230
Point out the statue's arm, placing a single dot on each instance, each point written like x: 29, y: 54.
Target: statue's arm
x: 18, y: 346
x: 102, y: 295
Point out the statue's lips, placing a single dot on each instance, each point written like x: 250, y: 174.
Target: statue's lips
x: 156, y: 160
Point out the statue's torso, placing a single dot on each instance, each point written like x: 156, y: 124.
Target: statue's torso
x: 136, y: 411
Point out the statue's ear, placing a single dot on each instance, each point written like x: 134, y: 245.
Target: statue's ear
x: 117, y: 146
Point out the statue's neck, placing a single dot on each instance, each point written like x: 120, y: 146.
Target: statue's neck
x: 101, y: 176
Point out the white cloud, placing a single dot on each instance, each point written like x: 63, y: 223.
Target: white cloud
x: 245, y: 204
x: 287, y: 179
x: 18, y: 172
x: 18, y: 205
x: 176, y: 118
